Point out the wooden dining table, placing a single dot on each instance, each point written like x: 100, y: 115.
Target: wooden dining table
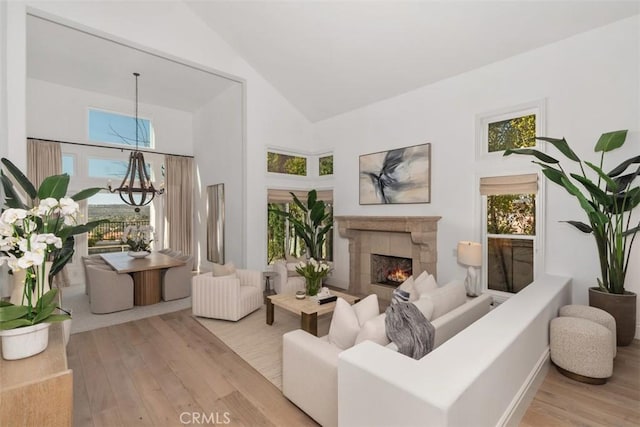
x: 146, y: 273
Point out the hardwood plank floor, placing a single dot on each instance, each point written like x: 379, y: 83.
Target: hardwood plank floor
x: 170, y: 371
x: 148, y: 372
x: 561, y: 401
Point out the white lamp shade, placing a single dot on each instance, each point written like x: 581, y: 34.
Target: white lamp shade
x: 470, y: 253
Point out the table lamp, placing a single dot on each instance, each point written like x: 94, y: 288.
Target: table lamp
x: 470, y: 254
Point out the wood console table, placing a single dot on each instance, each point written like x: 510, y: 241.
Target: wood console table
x: 38, y: 390
x: 146, y: 272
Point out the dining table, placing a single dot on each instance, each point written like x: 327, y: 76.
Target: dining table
x: 146, y: 273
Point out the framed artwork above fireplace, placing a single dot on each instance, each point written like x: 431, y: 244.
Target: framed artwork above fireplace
x: 401, y: 175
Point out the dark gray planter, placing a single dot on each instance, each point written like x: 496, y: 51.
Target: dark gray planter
x: 622, y: 307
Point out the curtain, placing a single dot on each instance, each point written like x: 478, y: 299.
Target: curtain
x: 44, y: 158
x: 510, y: 184
x: 179, y: 203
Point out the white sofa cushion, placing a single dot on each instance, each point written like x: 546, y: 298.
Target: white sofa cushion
x: 424, y: 284
x: 446, y: 298
x: 374, y: 330
x: 347, y: 320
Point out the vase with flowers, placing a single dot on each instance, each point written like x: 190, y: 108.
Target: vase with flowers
x: 36, y: 241
x: 139, y: 238
x: 313, y: 272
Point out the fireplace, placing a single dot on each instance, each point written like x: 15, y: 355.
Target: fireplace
x: 414, y: 238
x: 390, y: 270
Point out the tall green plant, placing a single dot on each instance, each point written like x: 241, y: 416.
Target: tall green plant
x: 313, y: 228
x: 608, y: 199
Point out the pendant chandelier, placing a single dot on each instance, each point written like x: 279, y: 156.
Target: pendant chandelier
x: 136, y: 188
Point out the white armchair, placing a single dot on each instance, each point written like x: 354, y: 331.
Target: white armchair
x: 227, y: 297
x: 287, y: 282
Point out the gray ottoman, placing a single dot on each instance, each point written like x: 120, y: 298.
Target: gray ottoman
x: 581, y: 349
x: 595, y: 315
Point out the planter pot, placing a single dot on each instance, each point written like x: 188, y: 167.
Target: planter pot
x: 313, y: 286
x: 622, y: 307
x: 25, y: 342
x: 138, y: 254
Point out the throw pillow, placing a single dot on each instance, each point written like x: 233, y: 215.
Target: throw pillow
x: 223, y: 270
x: 291, y: 269
x: 447, y: 298
x: 420, y: 280
x: 425, y: 305
x: 347, y: 320
x: 424, y: 284
x: 374, y: 330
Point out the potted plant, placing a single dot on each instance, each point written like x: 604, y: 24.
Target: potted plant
x: 313, y: 273
x: 313, y: 228
x: 608, y: 200
x: 36, y: 241
x: 139, y: 240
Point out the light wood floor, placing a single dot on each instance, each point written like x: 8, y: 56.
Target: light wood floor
x: 561, y: 401
x: 150, y: 371
x: 166, y: 370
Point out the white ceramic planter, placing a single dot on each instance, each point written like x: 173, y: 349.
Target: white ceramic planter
x: 24, y: 342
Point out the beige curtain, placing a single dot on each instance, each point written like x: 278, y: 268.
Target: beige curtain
x: 44, y: 158
x: 179, y: 203
x: 510, y: 184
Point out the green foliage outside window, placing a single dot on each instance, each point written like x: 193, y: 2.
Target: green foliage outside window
x: 511, y: 214
x: 283, y: 163
x: 519, y: 132
x: 326, y: 165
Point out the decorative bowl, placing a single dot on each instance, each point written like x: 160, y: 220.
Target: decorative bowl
x: 300, y: 295
x: 138, y: 254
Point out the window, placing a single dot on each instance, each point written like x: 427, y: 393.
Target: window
x: 106, y: 237
x: 281, y: 237
x: 286, y: 164
x: 68, y: 164
x: 515, y: 127
x: 113, y: 128
x: 108, y: 168
x: 325, y: 165
x: 510, y: 230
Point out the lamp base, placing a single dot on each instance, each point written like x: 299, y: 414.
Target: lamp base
x: 472, y: 282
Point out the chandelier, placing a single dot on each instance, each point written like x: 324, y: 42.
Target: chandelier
x: 136, y: 188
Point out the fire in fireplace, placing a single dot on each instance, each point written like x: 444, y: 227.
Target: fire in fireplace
x: 390, y: 270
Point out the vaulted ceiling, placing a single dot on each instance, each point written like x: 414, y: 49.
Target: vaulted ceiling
x: 329, y: 57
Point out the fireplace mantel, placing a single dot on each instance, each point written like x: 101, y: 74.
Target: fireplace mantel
x: 413, y: 237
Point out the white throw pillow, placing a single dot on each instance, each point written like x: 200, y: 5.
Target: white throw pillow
x: 424, y: 284
x: 223, y: 270
x: 374, y: 330
x: 347, y: 320
x: 447, y: 298
x: 407, y: 285
x: 228, y: 276
x: 418, y: 280
x: 291, y: 269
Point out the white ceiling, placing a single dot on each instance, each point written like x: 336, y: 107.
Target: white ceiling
x: 329, y: 57
x: 84, y: 61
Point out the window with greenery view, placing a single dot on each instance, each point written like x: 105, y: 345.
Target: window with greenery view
x: 287, y: 164
x: 518, y: 132
x: 510, y: 241
x: 325, y: 164
x: 281, y: 236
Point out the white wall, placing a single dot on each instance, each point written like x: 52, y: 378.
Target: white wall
x: 591, y: 86
x: 60, y: 113
x: 219, y: 152
x: 172, y: 30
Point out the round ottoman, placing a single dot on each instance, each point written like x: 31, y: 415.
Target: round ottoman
x: 581, y: 349
x: 595, y: 315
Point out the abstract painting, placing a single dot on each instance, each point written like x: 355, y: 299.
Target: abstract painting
x: 401, y: 175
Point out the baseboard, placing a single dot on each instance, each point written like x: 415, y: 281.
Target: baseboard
x: 524, y: 397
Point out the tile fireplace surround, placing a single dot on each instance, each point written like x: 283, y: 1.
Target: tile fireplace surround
x: 412, y: 237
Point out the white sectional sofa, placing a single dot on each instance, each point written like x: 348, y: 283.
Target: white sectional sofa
x: 310, y: 364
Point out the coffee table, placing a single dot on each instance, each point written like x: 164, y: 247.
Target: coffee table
x: 308, y: 309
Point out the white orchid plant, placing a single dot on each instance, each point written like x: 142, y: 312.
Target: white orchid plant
x: 138, y: 237
x: 313, y: 269
x: 32, y: 234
